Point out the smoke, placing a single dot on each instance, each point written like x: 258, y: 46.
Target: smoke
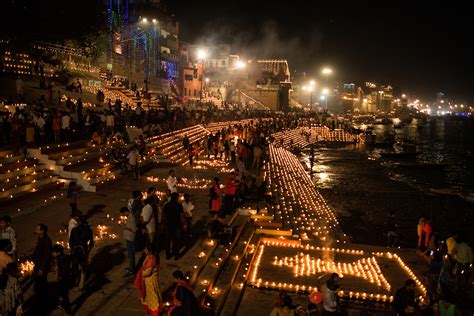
x: 266, y: 40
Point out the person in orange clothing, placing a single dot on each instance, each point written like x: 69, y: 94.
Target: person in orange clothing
x: 215, y: 198
x: 147, y: 283
x: 230, y: 189
x: 425, y: 236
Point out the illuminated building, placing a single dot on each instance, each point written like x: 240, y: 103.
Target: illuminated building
x: 142, y: 44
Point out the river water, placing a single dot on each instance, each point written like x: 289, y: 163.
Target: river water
x: 362, y: 187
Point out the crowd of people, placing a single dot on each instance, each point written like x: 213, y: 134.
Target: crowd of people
x: 155, y: 223
x: 66, y: 120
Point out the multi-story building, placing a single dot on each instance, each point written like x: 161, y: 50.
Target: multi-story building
x: 386, y: 98
x: 191, y: 74
x: 143, y: 44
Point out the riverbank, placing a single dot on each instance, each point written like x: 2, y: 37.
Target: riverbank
x: 363, y: 192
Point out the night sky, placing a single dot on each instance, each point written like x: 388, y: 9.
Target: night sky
x: 424, y: 48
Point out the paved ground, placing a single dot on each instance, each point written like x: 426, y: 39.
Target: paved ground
x: 107, y: 291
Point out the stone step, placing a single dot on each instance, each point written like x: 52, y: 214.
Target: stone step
x: 19, y: 167
x: 26, y: 188
x: 18, y: 181
x: 62, y: 148
x: 232, y: 269
x: 216, y: 262
x: 7, y: 152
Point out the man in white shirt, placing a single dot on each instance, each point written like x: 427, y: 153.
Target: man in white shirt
x: 188, y: 207
x: 73, y: 223
x: 65, y: 126
x: 132, y: 160
x: 172, y: 181
x: 147, y: 220
x: 129, y: 231
x: 109, y: 123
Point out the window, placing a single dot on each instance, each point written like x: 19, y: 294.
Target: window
x: 194, y: 92
x: 185, y: 91
x: 188, y: 77
x: 223, y: 63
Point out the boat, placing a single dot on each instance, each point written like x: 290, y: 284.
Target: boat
x: 469, y: 198
x: 399, y: 155
x: 431, y: 166
x: 369, y: 138
x: 451, y: 192
x: 386, y: 144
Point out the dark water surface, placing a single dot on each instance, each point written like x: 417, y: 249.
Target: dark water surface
x: 363, y: 187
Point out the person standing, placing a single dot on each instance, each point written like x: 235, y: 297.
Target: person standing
x: 215, y: 198
x: 172, y: 182
x: 190, y: 155
x: 451, y: 244
x: 65, y: 126
x: 63, y: 272
x: 393, y: 237
x: 257, y: 157
x: 57, y: 127
x: 147, y: 283
x: 230, y: 190
x: 73, y: 223
x: 42, y: 259
x: 185, y: 302
x: 133, y: 161
x: 463, y: 257
x: 330, y: 297
x: 109, y: 123
x: 129, y: 232
x: 81, y: 243
x: 188, y: 207
x: 8, y: 233
x: 174, y: 219
x: 11, y: 296
x: 147, y: 220
x: 425, y: 236
x: 404, y: 301
x: 232, y: 152
x: 185, y: 143
x: 79, y: 86
x: 72, y: 193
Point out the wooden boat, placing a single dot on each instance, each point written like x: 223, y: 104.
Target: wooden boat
x: 451, y: 192
x: 469, y: 198
x: 399, y: 155
x: 431, y: 166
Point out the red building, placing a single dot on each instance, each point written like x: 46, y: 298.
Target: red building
x: 190, y: 75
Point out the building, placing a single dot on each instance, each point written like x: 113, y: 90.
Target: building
x: 143, y: 44
x: 386, y: 98
x: 191, y: 74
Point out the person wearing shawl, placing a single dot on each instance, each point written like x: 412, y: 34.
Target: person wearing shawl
x: 184, y: 301
x: 147, y: 283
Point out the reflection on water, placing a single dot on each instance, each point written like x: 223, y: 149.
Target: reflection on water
x: 445, y: 152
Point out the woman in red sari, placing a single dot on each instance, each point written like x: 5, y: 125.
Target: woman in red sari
x: 184, y: 301
x: 215, y: 198
x: 147, y: 283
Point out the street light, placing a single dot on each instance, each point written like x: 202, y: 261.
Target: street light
x: 310, y: 88
x: 324, y: 97
x: 240, y: 65
x: 326, y: 71
x: 201, y: 55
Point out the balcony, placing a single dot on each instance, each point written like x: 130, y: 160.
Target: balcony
x: 169, y: 57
